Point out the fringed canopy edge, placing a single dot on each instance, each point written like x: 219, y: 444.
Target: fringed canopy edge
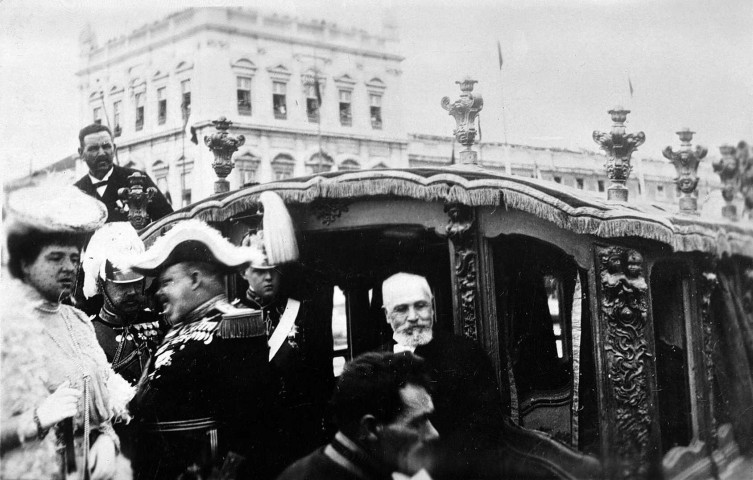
x: 591, y: 216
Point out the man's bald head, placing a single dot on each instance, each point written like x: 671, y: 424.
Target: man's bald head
x: 409, y: 308
x: 394, y: 286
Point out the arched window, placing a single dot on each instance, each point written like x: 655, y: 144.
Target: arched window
x: 350, y: 164
x: 185, y: 170
x: 380, y: 165
x: 159, y: 171
x: 283, y: 166
x: 247, y: 166
x: 319, y: 162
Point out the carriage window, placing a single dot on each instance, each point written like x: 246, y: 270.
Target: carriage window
x: 546, y: 329
x: 339, y: 332
x: 670, y: 292
x: 553, y: 295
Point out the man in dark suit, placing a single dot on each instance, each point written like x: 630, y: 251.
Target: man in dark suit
x: 468, y: 413
x: 382, y: 408
x: 104, y: 179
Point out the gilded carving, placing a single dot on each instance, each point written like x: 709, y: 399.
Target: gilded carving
x: 729, y: 174
x: 623, y: 307
x: 223, y: 146
x: 138, y: 198
x: 329, y: 210
x: 465, y: 110
x: 686, y: 161
x: 619, y: 147
x: 461, y: 235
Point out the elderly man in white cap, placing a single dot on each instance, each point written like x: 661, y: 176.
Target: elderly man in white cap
x: 466, y: 397
x: 300, y: 344
x: 127, y: 331
x: 202, y: 401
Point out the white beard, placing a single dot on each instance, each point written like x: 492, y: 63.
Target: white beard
x: 414, y: 337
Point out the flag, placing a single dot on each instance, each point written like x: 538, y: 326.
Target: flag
x: 452, y: 157
x: 191, y: 132
x: 630, y: 85
x: 499, y: 54
x: 317, y: 91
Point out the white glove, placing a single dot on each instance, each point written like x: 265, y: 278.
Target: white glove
x: 62, y: 404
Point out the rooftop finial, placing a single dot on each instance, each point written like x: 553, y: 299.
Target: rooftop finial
x: 686, y: 161
x: 465, y: 110
x: 619, y: 147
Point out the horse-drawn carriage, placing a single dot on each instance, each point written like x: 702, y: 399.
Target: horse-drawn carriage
x: 621, y: 334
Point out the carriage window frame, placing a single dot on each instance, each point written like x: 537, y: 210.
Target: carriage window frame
x: 681, y: 272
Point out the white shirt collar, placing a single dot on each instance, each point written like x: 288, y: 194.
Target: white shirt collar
x: 103, y: 179
x: 397, y: 348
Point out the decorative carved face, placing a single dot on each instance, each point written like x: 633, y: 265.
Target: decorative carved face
x: 138, y: 218
x: 634, y: 264
x: 687, y: 184
x: 614, y: 263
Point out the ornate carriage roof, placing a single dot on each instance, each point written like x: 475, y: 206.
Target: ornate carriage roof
x: 579, y: 211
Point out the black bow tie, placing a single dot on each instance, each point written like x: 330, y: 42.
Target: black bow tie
x: 99, y: 184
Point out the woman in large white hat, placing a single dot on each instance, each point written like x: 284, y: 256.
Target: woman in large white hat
x: 59, y: 393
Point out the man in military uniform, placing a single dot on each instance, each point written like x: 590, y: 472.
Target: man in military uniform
x: 201, y: 404
x: 300, y: 345
x: 127, y: 331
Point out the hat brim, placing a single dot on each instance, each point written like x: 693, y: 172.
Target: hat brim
x: 190, y: 245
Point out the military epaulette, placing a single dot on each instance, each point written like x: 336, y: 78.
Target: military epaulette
x: 241, y: 323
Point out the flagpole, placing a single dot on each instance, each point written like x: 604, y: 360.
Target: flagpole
x: 501, y: 92
x: 107, y: 119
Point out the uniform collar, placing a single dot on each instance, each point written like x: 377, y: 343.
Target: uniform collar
x: 202, y: 310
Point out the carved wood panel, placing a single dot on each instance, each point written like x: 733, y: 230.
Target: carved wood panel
x: 465, y: 268
x: 623, y: 303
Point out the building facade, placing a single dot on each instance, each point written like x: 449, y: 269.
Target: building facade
x: 308, y: 96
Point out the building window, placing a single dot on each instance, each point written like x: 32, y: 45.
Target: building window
x: 279, y: 100
x: 117, y: 129
x: 349, y: 164
x: 376, y: 111
x: 319, y: 163
x: 247, y: 166
x: 160, y: 170
x: 139, y: 111
x: 312, y: 103
x: 579, y: 183
x: 346, y: 115
x: 161, y: 106
x: 98, y: 115
x: 557, y: 179
x: 660, y: 192
x: 243, y: 92
x: 186, y: 169
x: 282, y: 167
x: 600, y: 184
x: 185, y: 104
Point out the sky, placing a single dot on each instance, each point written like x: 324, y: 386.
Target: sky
x: 565, y: 64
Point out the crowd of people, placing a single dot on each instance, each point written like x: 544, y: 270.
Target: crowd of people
x: 167, y: 378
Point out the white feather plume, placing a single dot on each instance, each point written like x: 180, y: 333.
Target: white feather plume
x: 279, y: 235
